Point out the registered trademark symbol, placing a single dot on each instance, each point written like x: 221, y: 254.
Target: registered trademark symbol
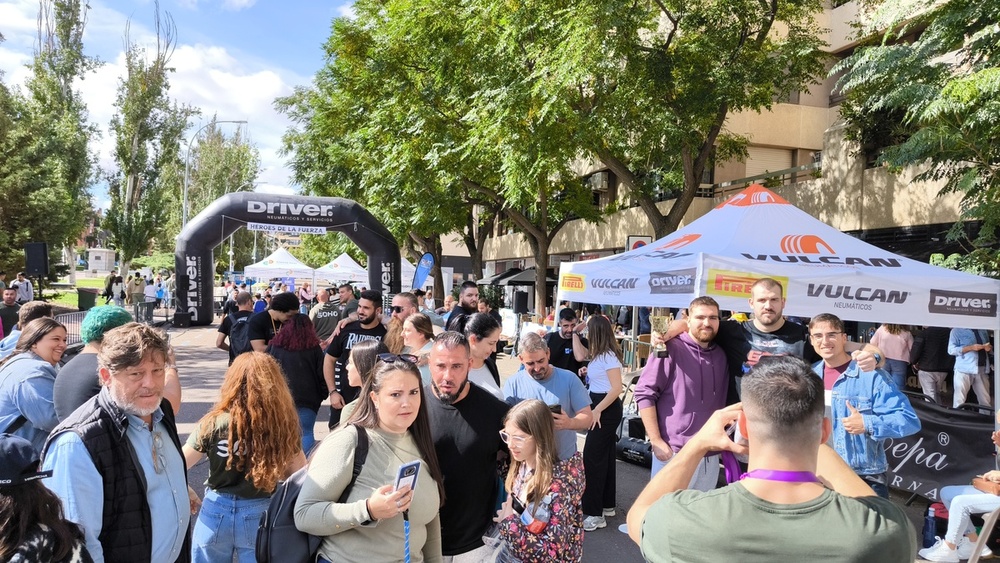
x: 943, y: 438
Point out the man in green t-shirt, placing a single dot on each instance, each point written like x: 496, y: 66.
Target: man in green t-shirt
x: 798, y: 502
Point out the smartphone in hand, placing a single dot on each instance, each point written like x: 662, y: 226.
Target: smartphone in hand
x: 407, y: 475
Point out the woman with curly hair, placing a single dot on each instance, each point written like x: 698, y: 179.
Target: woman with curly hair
x: 251, y: 438
x: 541, y: 519
x: 297, y: 349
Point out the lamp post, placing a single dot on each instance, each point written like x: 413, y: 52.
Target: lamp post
x: 187, y: 166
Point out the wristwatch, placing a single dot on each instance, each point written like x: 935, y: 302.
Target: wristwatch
x: 878, y: 358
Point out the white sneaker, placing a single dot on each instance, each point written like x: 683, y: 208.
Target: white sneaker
x: 591, y: 523
x: 609, y: 512
x: 939, y: 552
x: 965, y: 547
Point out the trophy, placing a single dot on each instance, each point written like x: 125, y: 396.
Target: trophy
x: 659, y: 325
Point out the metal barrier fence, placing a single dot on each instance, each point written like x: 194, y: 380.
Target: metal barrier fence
x: 72, y: 323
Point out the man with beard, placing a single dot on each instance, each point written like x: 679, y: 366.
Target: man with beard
x: 403, y: 305
x: 116, y: 461
x: 560, y: 344
x: 556, y: 387
x: 468, y: 305
x: 677, y: 394
x: 367, y: 327
x: 769, y: 334
x: 465, y: 421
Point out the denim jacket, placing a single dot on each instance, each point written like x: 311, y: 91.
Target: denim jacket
x: 886, y: 412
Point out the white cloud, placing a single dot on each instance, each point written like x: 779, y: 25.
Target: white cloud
x: 266, y: 188
x: 236, y: 5
x: 213, y: 78
x: 346, y: 10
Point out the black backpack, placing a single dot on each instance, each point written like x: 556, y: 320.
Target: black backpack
x: 239, y: 335
x: 277, y: 537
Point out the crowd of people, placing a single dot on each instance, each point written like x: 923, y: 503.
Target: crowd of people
x: 501, y: 477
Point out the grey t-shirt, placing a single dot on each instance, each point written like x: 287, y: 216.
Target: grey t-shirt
x: 716, y: 525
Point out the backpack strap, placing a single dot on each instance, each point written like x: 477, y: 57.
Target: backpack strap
x: 360, y: 455
x: 21, y: 420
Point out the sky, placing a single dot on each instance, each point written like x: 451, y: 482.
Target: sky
x: 232, y: 59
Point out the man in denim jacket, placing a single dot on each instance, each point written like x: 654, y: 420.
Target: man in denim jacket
x: 866, y: 407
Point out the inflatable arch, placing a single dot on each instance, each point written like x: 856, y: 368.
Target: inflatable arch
x: 195, y: 263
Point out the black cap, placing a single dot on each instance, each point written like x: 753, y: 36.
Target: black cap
x: 18, y: 461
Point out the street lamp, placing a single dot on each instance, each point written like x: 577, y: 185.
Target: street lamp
x: 187, y: 166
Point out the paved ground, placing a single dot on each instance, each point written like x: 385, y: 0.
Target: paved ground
x: 202, y: 367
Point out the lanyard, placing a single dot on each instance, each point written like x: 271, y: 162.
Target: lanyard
x: 783, y: 476
x: 406, y: 536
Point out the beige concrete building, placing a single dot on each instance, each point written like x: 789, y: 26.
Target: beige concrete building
x: 799, y: 150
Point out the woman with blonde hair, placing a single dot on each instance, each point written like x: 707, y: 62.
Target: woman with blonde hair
x: 895, y: 342
x: 541, y: 520
x: 605, y: 375
x: 252, y: 439
x: 393, y: 415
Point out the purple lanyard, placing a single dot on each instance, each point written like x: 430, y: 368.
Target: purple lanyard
x: 783, y: 476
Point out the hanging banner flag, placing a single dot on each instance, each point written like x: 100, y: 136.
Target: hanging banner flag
x: 423, y: 270
x: 290, y: 229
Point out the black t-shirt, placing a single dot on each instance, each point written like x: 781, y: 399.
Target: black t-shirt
x: 561, y: 352
x: 467, y: 439
x: 8, y: 316
x: 76, y: 383
x: 262, y: 327
x: 744, y: 344
x: 227, y: 324
x: 341, y: 346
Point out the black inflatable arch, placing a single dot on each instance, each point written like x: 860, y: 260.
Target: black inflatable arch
x: 195, y: 263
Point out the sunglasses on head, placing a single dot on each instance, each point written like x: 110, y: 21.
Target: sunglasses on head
x: 389, y: 358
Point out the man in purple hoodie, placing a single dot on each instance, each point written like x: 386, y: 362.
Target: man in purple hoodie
x: 677, y: 394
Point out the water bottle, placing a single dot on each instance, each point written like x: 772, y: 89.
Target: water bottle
x: 930, y: 528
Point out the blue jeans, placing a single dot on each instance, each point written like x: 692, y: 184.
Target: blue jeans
x: 898, y: 370
x: 226, y: 524
x: 307, y: 419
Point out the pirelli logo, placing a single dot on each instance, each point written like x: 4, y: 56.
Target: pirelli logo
x: 726, y: 283
x: 572, y: 282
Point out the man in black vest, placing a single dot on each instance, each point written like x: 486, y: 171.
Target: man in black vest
x: 122, y: 474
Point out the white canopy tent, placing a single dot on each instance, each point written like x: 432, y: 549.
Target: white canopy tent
x: 342, y: 269
x: 279, y: 264
x: 758, y: 234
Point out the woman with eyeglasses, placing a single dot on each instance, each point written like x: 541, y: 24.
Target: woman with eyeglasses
x: 374, y: 519
x: 541, y: 520
x: 418, y: 338
x: 360, y: 365
x: 27, y: 381
x: 605, y: 375
x: 252, y: 439
x: 483, y: 332
x: 297, y: 350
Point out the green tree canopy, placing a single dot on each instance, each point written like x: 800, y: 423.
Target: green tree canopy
x: 934, y: 76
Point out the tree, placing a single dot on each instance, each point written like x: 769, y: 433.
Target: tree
x: 407, y: 111
x: 45, y: 164
x: 943, y: 87
x: 653, y: 84
x: 147, y: 129
x: 219, y: 164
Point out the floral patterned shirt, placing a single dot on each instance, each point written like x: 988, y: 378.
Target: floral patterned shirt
x: 562, y: 538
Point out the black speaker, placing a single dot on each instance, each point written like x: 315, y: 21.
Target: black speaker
x: 520, y: 302
x: 36, y: 259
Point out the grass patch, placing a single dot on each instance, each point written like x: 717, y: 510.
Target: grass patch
x: 62, y: 298
x: 89, y: 282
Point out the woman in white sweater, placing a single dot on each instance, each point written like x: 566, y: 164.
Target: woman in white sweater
x: 372, y: 519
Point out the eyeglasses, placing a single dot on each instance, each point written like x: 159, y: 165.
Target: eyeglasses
x: 507, y: 438
x: 822, y: 337
x: 389, y: 358
x: 159, y: 464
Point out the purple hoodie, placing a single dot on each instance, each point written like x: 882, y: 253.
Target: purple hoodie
x: 686, y: 388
